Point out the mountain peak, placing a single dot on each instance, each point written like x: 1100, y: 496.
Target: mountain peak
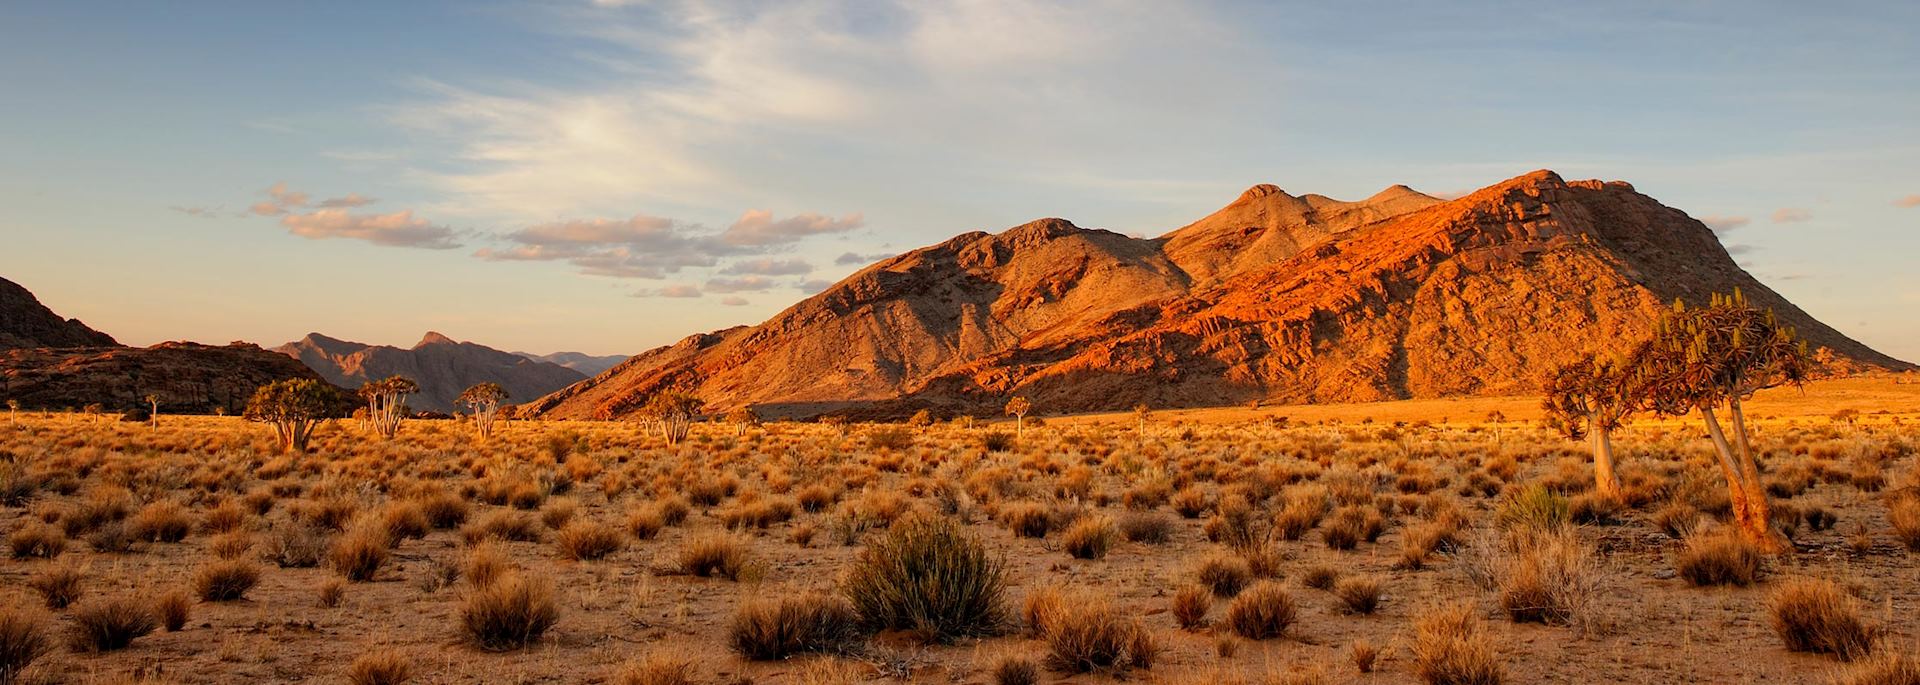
x: 1260, y: 191
x: 434, y: 338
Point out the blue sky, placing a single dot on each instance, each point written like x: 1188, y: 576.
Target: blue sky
x: 608, y: 177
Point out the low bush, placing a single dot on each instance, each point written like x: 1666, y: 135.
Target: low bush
x: 766, y: 629
x: 929, y: 576
x: 509, y: 613
x: 1813, y: 615
x: 1262, y: 612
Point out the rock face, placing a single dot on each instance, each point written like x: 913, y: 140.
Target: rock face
x: 188, y: 378
x: 24, y: 322
x: 442, y: 366
x: 1273, y: 297
x: 586, y: 364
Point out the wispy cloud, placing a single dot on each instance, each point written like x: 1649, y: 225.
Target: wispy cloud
x: 1787, y: 215
x: 855, y: 258
x: 743, y: 284
x: 280, y: 201
x: 759, y: 227
x: 1908, y: 201
x: 734, y: 301
x: 351, y: 200
x: 1723, y: 224
x: 769, y: 267
x: 645, y: 246
x: 201, y: 212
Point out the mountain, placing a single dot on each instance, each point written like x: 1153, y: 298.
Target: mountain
x: 442, y: 366
x: 1273, y: 297
x: 586, y: 364
x: 188, y: 378
x: 24, y: 322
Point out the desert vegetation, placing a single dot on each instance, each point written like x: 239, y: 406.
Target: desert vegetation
x: 1246, y: 544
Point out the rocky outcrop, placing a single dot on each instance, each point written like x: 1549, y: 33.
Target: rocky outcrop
x: 24, y: 322
x: 187, y: 378
x: 443, y: 368
x: 1273, y: 297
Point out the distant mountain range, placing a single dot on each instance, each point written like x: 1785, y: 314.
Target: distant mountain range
x: 443, y: 368
x: 49, y: 362
x: 1273, y: 297
x: 584, y: 363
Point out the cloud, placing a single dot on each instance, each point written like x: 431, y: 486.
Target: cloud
x: 201, y: 212
x: 280, y: 201
x: 855, y: 258
x: 1786, y: 215
x: 744, y: 284
x: 678, y: 290
x: 758, y: 227
x: 733, y: 301
x: 812, y: 286
x: 1724, y: 224
x: 770, y: 267
x: 351, y: 200
x: 1908, y: 201
x: 1739, y: 249
x: 394, y: 229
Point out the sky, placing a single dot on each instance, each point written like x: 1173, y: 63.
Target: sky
x: 607, y: 177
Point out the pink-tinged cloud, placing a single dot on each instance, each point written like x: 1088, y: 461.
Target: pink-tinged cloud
x: 1908, y: 201
x: 678, y: 290
x: 733, y: 301
x: 1724, y: 224
x: 1787, y: 215
x: 758, y: 227
x: 744, y: 284
x: 396, y: 229
x: 351, y: 200
x: 769, y: 267
x: 281, y: 200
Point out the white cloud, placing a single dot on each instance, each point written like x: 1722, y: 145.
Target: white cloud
x: 1786, y: 215
x: 1724, y: 224
x: 394, y: 229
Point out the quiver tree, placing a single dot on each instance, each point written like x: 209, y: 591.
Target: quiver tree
x: 1018, y: 408
x: 153, y: 411
x: 1590, y: 398
x: 483, y: 400
x: 293, y: 407
x: 742, y: 418
x: 1140, y: 412
x: 387, y: 403
x: 675, y: 411
x: 1710, y: 360
x: 13, y: 411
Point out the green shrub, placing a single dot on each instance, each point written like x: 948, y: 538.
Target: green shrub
x: 928, y: 576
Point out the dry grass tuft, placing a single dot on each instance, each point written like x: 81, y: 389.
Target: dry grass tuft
x: 509, y: 613
x: 59, y: 586
x: 226, y: 580
x: 1190, y: 606
x: 1720, y: 557
x: 104, y: 625
x: 380, y: 667
x: 767, y: 629
x: 929, y: 576
x: 1812, y: 615
x: 1089, y: 538
x: 714, y: 555
x: 173, y: 609
x: 657, y: 669
x: 24, y: 638
x: 1450, y: 647
x: 589, y: 540
x: 358, y: 554
x: 1262, y: 612
x: 1358, y: 595
x: 1088, y: 635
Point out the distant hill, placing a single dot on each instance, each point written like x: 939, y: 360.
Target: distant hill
x: 584, y: 363
x: 1273, y: 297
x: 24, y: 322
x: 188, y: 378
x: 442, y: 366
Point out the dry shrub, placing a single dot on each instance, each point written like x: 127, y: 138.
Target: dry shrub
x: 1363, y: 655
x: 1089, y: 538
x: 358, y: 554
x: 404, y: 521
x: 1904, y: 515
x: 589, y: 540
x: 228, y: 517
x: 1146, y: 528
x: 509, y: 613
x: 673, y: 509
x: 512, y: 526
x: 173, y: 609
x: 1040, y: 607
x: 24, y: 638
x: 714, y: 555
x: 1319, y: 577
x: 1722, y: 557
x: 297, y: 545
x: 163, y: 521
x: 1190, y: 606
x: 1225, y: 574
x: 444, y: 511
x: 1027, y: 519
x: 1677, y: 520
x: 486, y: 562
x: 59, y: 586
x: 231, y: 545
x: 1235, y: 523
x: 929, y: 576
x: 1089, y: 635
x: 559, y: 512
x: 1014, y: 669
x: 1549, y: 577
x: 1262, y: 612
x: 107, y: 624
x: 1359, y: 595
x: 1420, y: 541
x: 332, y: 592
x: 37, y: 540
x: 1450, y: 647
x: 1352, y: 525
x: 1814, y: 615
x: 657, y: 669
x: 766, y: 629
x: 225, y: 580
x: 1534, y: 506
x: 1190, y: 502
x: 645, y: 523
x: 380, y: 667
x: 1885, y: 667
